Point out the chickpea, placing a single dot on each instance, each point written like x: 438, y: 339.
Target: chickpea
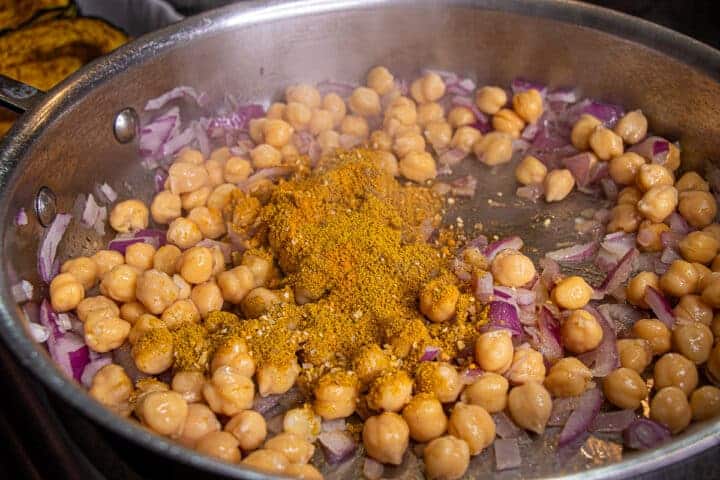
x: 705, y: 276
x: 249, y: 428
x: 276, y: 133
x: 691, y: 181
x: 605, y: 143
x: 635, y: 290
x: 429, y: 88
x: 156, y: 291
x: 238, y: 169
x: 670, y: 407
x: 153, y: 351
x: 142, y: 325
x: 207, y: 297
x: 166, y: 258
x: 336, y: 106
x: 439, y: 134
x: 112, y: 387
x: 698, y: 208
x: 234, y: 353
x: 199, y: 422
x: 166, y: 207
x: 185, y: 177
x: 255, y: 128
x: 163, y: 411
x: 658, y: 202
x: 457, y: 116
x: 275, y: 111
x: 509, y: 122
x: 433, y: 112
x: 705, y: 402
x: 303, y: 93
x: 439, y: 378
x: 129, y: 216
x: 336, y: 395
x: 624, y: 168
x: 531, y: 171
x: 632, y: 127
x: 215, y: 171
x: 673, y: 369
x: 385, y: 437
x: 568, y: 377
x: 105, y: 260
x: 258, y: 301
x: 129, y: 312
x: 220, y: 445
x: 303, y: 472
x: 494, y: 351
x: 572, y: 293
x: 388, y: 162
x: 380, y: 140
x: 369, y: 363
x: 529, y: 105
x: 649, y: 236
x: 268, y: 461
x: 98, y: 305
x: 691, y: 308
x: 265, y: 156
x: 407, y: 143
x: 355, y: 125
x: 180, y: 312
x: 196, y: 265
x: 228, y: 392
x: 390, y: 392
x: 625, y: 388
x: 651, y: 175
x: 583, y: 130
x: 680, y: 279
x: 66, y: 292
x: 295, y: 448
x: 189, y: 385
x: 512, y: 269
x: 527, y: 366
x: 84, y: 269
x: 529, y: 406
x: 273, y: 380
x: 140, y: 255
x: 119, y: 283
x: 220, y: 196
x: 235, y: 283
x: 329, y: 141
x: 655, y: 333
x: 694, y: 341
x: 581, y: 332
x: 438, y: 299
x: 418, y: 167
x: 303, y: 422
x: 558, y: 185
x: 321, y: 121
x: 635, y: 353
x: 715, y: 325
x: 465, y: 138
x: 183, y: 233
x: 472, y: 424
x: 446, y: 458
x: 365, y: 102
x: 490, y: 100
x: 624, y: 217
x: 711, y: 292
x: 629, y: 196
x: 260, y: 266
x: 489, y: 392
x: 199, y: 197
x: 190, y: 155
x: 425, y: 417
x: 380, y: 79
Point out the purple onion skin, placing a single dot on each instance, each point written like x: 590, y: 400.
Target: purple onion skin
x: 644, y: 434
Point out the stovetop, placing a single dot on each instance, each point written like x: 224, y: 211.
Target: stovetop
x: 43, y: 439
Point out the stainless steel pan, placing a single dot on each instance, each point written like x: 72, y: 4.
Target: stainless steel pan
x: 66, y: 141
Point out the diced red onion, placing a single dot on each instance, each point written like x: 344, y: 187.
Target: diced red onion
x: 274, y: 423
x: 121, y: 242
x: 549, y: 330
x: 678, y: 224
x: 610, y: 188
x: 470, y: 375
x: 531, y: 192
x: 155, y: 134
x: 580, y: 166
x: 39, y: 333
x: 621, y: 315
x: 49, y: 245
x: 66, y: 348
x: 519, y: 85
x: 430, y: 354
x: 644, y: 434
x: 263, y: 405
x: 92, y: 368
x: 671, y: 239
x: 337, y: 425
x: 562, y: 407
x: 464, y: 186
x: 157, y: 103
x: 507, y: 243
x: 519, y: 145
x: 607, y: 113
x: 507, y: 454
x: 660, y: 306
x: 574, y: 254
x: 582, y: 417
x: 338, y: 446
x: 21, y: 218
x: 482, y: 286
x: 201, y: 136
x: 531, y: 131
x: 503, y: 315
x: 617, y: 276
x: 613, y: 422
x: 238, y: 120
x: 605, y: 358
x: 505, y: 427
x: 669, y: 255
x: 178, y: 142
x: 372, y: 470
x: 563, y: 94
x: 550, y: 272
x: 452, y: 156
x: 527, y: 313
x: 444, y: 171
x: 467, y: 102
x: 618, y: 243
x: 22, y: 291
x: 653, y: 149
x: 110, y: 194
x: 159, y: 178
x: 94, y: 216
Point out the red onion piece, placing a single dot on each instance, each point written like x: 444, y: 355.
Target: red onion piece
x: 22, y: 291
x: 177, y: 142
x: 582, y: 417
x: 613, y: 422
x: 607, y: 113
x: 467, y: 102
x: 610, y: 188
x: 618, y: 275
x: 67, y: 349
x: 452, y: 156
x: 622, y: 315
x: 464, y: 186
x: 157, y: 103
x: 605, y: 358
x: 39, y: 333
x: 482, y: 286
x: 503, y: 315
x: 669, y: 255
x: 580, y: 166
x: 653, y: 149
x: 155, y: 134
x: 563, y: 94
x: 337, y: 446
x: 470, y: 375
x: 507, y: 243
x: 21, y: 218
x: 49, y: 244
x: 577, y: 253
x: 93, y: 367
x: 263, y: 405
x: 110, y: 194
x: 372, y: 470
x: 337, y: 425
x: 550, y: 272
x: 507, y: 454
x: 94, y: 216
x: 549, y: 331
x: 430, y: 354
x: 671, y: 239
x: 159, y: 178
x: 530, y: 192
x: 120, y: 243
x: 236, y: 120
x: 561, y: 409
x: 530, y: 132
x: 678, y: 224
x: 505, y: 427
x: 519, y: 85
x: 343, y: 89
x: 660, y: 306
x: 644, y: 434
x: 618, y: 243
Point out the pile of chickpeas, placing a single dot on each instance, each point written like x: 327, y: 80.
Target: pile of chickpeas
x: 146, y: 293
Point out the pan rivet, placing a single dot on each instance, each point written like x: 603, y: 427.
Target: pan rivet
x: 45, y: 206
x: 126, y: 124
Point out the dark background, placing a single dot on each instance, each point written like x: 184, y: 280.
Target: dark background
x: 36, y: 444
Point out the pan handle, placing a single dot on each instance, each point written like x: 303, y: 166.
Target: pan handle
x: 17, y: 96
